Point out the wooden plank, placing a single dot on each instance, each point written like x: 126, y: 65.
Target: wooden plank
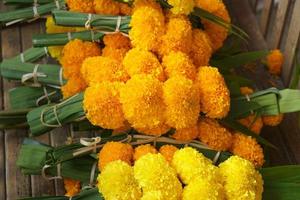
x: 287, y: 135
x: 277, y: 29
x: 253, y: 5
x: 291, y: 43
x: 39, y: 186
x: 17, y: 185
x: 263, y: 22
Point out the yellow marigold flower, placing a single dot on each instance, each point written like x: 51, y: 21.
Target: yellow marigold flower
x: 215, y: 97
x: 147, y: 27
x: 143, y: 150
x: 181, y: 7
x: 55, y: 51
x: 153, y: 173
x: 252, y: 122
x: 158, y: 131
x: 217, y: 33
x: 241, y: 180
x: 142, y: 102
x: 74, y: 53
x: 186, y: 134
x: 73, y: 86
x: 122, y: 130
x: 214, y: 135
x: 116, y: 182
x: 274, y: 120
x: 113, y: 151
x: 152, y: 195
x: 85, y: 6
x: 106, y: 7
x: 72, y: 187
x: 139, y: 61
x: 51, y: 27
x: 178, y: 36
x: 209, y: 5
x: 189, y: 163
x: 275, y: 62
x: 98, y: 69
x: 247, y: 148
x: 102, y: 105
x: 246, y: 90
x: 116, y: 41
x: 201, y: 48
x: 178, y: 63
x: 201, y: 188
x: 113, y: 53
x: 168, y: 151
x: 182, y: 99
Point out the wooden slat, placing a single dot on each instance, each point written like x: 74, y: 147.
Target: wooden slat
x: 286, y: 137
x: 267, y: 6
x: 291, y: 43
x: 253, y: 5
x: 276, y: 30
x: 17, y: 185
x: 39, y: 186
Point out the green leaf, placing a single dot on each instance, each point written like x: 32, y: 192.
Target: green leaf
x: 288, y: 173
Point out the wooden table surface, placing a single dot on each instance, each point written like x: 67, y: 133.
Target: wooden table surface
x: 16, y: 39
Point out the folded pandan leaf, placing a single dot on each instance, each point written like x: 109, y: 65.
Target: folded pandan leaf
x: 76, y: 161
x: 56, y: 39
x: 31, y: 55
x: 30, y: 97
x: 23, y: 14
x: 21, y: 2
x: 33, y: 74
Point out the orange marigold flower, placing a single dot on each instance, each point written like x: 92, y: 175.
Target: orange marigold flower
x: 275, y: 62
x: 125, y: 9
x: 178, y: 63
x: 113, y: 151
x: 168, y: 151
x: 217, y: 33
x: 209, y: 5
x: 73, y: 86
x: 162, y: 129
x: 182, y: 99
x: 106, y: 7
x: 143, y: 150
x: 215, y: 96
x: 274, y: 120
x: 74, y: 53
x: 252, y: 122
x: 85, y: 6
x: 98, y: 69
x: 181, y: 7
x: 113, y: 53
x: 146, y: 3
x: 214, y: 135
x: 142, y: 102
x: 139, y: 61
x: 72, y: 187
x: 116, y: 41
x: 147, y: 27
x: 247, y: 148
x: 178, y: 36
x: 186, y: 134
x: 246, y: 90
x: 201, y: 48
x: 102, y: 105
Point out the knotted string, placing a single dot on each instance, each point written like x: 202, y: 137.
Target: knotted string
x: 34, y: 75
x: 58, y: 171
x: 216, y: 158
x: 248, y: 99
x: 46, y: 95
